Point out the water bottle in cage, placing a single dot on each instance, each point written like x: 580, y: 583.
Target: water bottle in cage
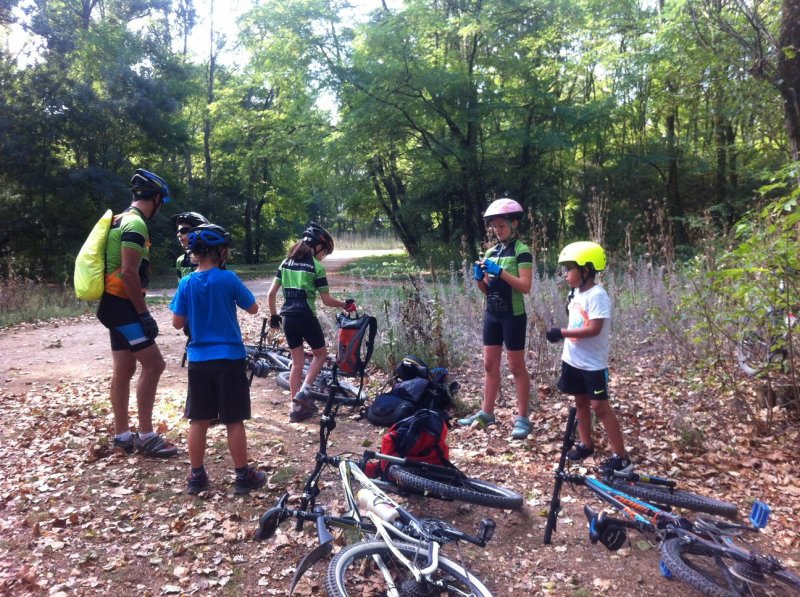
x: 376, y: 504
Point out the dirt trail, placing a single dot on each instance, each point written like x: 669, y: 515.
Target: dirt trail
x: 78, y: 520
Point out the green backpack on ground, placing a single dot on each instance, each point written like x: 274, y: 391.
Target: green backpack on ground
x: 89, y: 278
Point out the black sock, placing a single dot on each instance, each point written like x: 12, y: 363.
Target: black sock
x: 242, y: 471
x: 199, y: 470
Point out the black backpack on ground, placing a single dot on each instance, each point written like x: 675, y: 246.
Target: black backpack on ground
x: 416, y: 387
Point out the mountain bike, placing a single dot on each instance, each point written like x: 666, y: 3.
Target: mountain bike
x: 766, y: 342
x: 268, y: 356
x: 701, y: 553
x: 627, y: 493
x: 398, y: 554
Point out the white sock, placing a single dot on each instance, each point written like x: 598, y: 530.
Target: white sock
x: 145, y: 436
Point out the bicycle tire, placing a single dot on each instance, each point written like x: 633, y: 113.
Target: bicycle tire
x: 756, y: 348
x: 347, y: 394
x: 461, y: 488
x: 352, y: 571
x: 695, y: 564
x: 676, y: 497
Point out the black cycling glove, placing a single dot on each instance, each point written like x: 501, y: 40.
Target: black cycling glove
x: 149, y: 324
x: 275, y: 321
x: 554, y: 335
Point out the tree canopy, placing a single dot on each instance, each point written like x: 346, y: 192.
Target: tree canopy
x: 411, y: 119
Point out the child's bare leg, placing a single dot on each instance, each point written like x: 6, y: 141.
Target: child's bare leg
x: 296, y: 373
x: 522, y: 379
x: 237, y: 443
x: 582, y: 405
x: 197, y: 442
x: 317, y: 362
x: 605, y: 414
x: 491, y: 381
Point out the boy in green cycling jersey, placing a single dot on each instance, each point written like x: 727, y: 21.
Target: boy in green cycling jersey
x: 584, y: 367
x: 206, y: 301
x: 184, y: 223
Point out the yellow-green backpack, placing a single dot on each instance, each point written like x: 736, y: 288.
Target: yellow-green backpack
x: 90, y: 264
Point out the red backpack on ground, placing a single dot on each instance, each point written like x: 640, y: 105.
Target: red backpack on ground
x: 421, y: 437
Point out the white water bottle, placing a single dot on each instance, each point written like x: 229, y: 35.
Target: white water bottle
x: 373, y: 503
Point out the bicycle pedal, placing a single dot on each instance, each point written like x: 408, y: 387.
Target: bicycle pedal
x: 759, y: 515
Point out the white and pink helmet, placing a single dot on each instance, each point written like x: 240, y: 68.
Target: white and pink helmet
x: 505, y: 207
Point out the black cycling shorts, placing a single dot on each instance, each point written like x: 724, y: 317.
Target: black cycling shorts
x: 504, y: 329
x: 218, y: 389
x: 123, y: 323
x: 577, y: 382
x: 303, y: 327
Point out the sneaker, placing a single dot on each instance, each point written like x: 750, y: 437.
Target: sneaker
x: 251, y: 479
x: 483, y: 419
x: 197, y: 482
x: 127, y: 445
x: 155, y: 446
x: 580, y: 452
x: 303, y: 407
x: 621, y: 464
x: 522, y: 427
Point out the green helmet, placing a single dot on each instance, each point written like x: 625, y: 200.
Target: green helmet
x: 584, y: 253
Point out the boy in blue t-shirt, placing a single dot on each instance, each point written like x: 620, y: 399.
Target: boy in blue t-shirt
x: 206, y: 301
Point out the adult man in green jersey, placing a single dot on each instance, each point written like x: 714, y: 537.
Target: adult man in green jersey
x: 124, y: 312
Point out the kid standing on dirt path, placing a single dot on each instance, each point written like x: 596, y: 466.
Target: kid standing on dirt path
x: 218, y: 387
x: 504, y: 275
x: 302, y: 276
x: 584, y: 367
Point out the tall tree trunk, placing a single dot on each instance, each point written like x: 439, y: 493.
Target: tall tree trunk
x: 789, y: 73
x: 212, y: 63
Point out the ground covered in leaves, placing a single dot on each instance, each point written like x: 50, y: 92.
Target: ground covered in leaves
x: 77, y: 518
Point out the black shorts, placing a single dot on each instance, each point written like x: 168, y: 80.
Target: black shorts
x: 123, y: 323
x: 218, y: 389
x: 499, y: 330
x: 579, y: 382
x: 303, y: 327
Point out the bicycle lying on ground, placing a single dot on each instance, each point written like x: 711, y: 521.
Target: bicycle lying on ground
x: 766, y: 342
x: 400, y: 554
x: 620, y: 490
x: 701, y: 552
x: 270, y: 357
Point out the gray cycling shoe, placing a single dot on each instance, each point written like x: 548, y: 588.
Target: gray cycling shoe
x: 522, y: 427
x: 480, y: 419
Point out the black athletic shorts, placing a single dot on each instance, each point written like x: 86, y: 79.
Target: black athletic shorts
x: 123, y: 323
x: 303, y: 327
x: 578, y: 382
x: 499, y: 330
x: 218, y: 389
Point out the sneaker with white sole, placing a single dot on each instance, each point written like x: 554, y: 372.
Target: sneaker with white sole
x: 621, y: 464
x: 156, y: 446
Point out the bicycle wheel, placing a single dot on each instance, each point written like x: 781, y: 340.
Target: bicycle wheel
x: 708, y: 571
x: 759, y: 346
x: 664, y: 496
x: 347, y: 394
x: 354, y: 572
x: 461, y: 488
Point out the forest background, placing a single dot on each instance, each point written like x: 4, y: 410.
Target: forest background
x: 669, y: 131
